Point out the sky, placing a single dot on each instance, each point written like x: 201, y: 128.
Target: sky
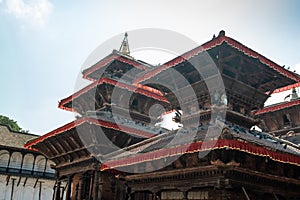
x: 44, y: 43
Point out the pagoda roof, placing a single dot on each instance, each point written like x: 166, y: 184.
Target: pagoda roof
x: 140, y: 89
x: 252, y: 142
x: 278, y: 106
x: 90, y: 72
x: 215, y: 42
x: 106, y: 124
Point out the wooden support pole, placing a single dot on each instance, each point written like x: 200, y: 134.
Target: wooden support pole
x: 19, y: 181
x: 32, y: 169
x: 245, y: 193
x: 80, y: 188
x: 46, y: 162
x: 57, y: 195
x: 22, y: 161
x: 185, y: 196
x: 92, y: 177
x: 25, y: 182
x: 68, y: 192
x: 36, y: 183
x: 54, y: 189
x: 63, y: 192
x: 76, y: 191
x: 40, y: 190
x: 7, y: 179
x: 8, y: 163
x: 12, y: 189
x: 96, y: 185
x: 275, y: 196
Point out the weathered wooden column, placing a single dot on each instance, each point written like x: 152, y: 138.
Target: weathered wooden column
x: 184, y: 191
x: 80, y: 188
x: 22, y: 161
x: 40, y: 190
x: 12, y: 188
x: 185, y: 195
x: 8, y: 163
x: 57, y: 195
x: 156, y: 196
x: 155, y: 193
x: 69, y: 187
x: 76, y: 191
x: 96, y: 185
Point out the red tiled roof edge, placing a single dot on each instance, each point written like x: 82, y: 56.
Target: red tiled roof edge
x: 78, y: 122
x: 108, y: 59
x: 203, y: 146
x: 287, y: 88
x: 278, y: 107
x: 141, y: 90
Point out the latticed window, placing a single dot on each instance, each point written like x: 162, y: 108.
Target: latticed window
x: 192, y: 195
x: 171, y: 195
x: 198, y: 195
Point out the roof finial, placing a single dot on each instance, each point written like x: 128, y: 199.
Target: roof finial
x: 124, y: 49
x: 221, y: 33
x: 294, y: 94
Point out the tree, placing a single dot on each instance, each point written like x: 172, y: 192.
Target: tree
x: 11, y: 123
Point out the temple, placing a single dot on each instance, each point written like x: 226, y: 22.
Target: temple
x: 116, y: 150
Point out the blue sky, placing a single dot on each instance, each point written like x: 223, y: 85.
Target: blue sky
x: 43, y: 43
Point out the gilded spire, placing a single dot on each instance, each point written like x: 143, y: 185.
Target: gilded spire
x: 124, y: 49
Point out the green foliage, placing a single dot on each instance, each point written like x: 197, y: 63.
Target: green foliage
x: 11, y: 123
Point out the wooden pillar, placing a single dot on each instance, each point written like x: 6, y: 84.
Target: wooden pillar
x: 128, y: 192
x: 20, y: 170
x: 54, y: 188
x: 68, y: 192
x: 245, y: 193
x: 91, y: 178
x: 12, y: 188
x: 57, y: 195
x: 223, y: 194
x: 100, y: 187
x: 156, y: 196
x: 76, y: 191
x: 46, y: 162
x: 8, y: 163
x: 96, y: 185
x: 131, y: 196
x: 63, y: 192
x: 185, y: 196
x: 34, y: 159
x: 80, y: 186
x: 40, y: 190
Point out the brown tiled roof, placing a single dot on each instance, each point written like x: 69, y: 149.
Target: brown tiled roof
x: 10, y: 138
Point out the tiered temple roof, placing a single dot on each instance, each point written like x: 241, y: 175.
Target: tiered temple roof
x: 249, y: 78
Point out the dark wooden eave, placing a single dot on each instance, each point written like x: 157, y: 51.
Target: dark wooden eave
x: 81, y: 138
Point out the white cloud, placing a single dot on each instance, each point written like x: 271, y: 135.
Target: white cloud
x: 34, y: 12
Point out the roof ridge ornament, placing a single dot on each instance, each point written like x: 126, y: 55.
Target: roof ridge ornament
x: 221, y: 33
x: 124, y: 48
